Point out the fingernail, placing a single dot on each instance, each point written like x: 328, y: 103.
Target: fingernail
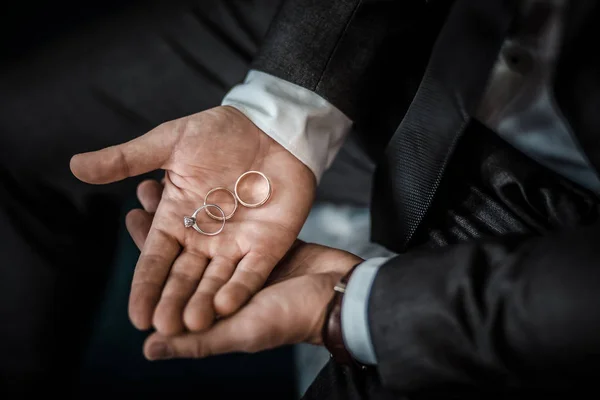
x: 159, y: 351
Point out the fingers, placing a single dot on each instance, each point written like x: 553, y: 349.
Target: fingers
x: 181, y: 284
x: 248, y: 278
x: 199, y: 313
x: 143, y: 154
x: 138, y: 223
x: 158, y: 254
x: 245, y: 332
x: 149, y: 193
x: 289, y: 264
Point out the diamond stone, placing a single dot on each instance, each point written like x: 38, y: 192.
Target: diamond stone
x: 189, y: 221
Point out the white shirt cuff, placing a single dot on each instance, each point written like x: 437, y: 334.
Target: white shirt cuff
x: 355, y: 318
x: 300, y: 120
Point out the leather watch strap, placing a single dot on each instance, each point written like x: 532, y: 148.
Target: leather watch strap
x: 333, y: 338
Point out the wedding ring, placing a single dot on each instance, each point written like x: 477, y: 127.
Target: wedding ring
x: 190, y: 222
x: 252, y: 205
x: 213, y: 216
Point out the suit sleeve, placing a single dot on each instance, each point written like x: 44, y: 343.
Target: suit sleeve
x: 347, y: 51
x: 513, y: 312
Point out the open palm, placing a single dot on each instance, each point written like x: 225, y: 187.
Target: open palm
x: 184, y: 279
x: 290, y: 309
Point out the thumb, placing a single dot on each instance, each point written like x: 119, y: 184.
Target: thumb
x: 138, y: 156
x: 249, y: 330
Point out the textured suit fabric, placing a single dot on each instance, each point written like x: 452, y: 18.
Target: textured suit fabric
x: 356, y: 70
x: 453, y: 85
x: 508, y: 256
x: 498, y: 221
x: 361, y: 56
x: 515, y: 292
x: 375, y: 79
x: 436, y: 312
x: 504, y: 313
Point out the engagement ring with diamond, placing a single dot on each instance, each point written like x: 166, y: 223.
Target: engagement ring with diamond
x: 190, y: 221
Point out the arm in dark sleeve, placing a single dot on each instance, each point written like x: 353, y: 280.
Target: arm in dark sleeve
x: 342, y: 49
x: 512, y: 312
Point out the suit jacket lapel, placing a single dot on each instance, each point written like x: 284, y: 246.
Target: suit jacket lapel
x: 462, y: 58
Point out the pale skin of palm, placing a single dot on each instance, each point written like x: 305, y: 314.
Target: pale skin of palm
x: 291, y: 308
x: 183, y: 279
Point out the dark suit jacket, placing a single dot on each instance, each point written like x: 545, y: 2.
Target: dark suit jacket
x: 500, y: 284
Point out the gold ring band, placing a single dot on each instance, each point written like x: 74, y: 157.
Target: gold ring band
x: 235, y: 203
x: 260, y: 203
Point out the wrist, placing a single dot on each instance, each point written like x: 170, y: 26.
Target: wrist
x: 301, y: 121
x: 331, y: 333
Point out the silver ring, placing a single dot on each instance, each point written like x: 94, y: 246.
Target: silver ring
x: 235, y: 203
x: 260, y: 203
x: 190, y: 222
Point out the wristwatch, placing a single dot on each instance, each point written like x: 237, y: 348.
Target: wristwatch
x: 333, y: 338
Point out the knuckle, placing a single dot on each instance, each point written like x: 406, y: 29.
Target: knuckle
x: 142, y: 290
x: 183, y: 277
x: 148, y: 271
x: 188, y: 126
x: 201, y: 349
x: 239, y: 288
x: 224, y: 259
x: 250, y: 281
x: 169, y: 302
x: 150, y: 263
x: 260, y: 265
x: 262, y: 256
x: 212, y: 283
x: 122, y: 161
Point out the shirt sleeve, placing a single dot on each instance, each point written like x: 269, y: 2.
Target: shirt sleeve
x: 355, y: 322
x: 304, y: 123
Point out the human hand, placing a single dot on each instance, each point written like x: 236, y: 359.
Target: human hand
x: 290, y: 309
x: 182, y: 278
